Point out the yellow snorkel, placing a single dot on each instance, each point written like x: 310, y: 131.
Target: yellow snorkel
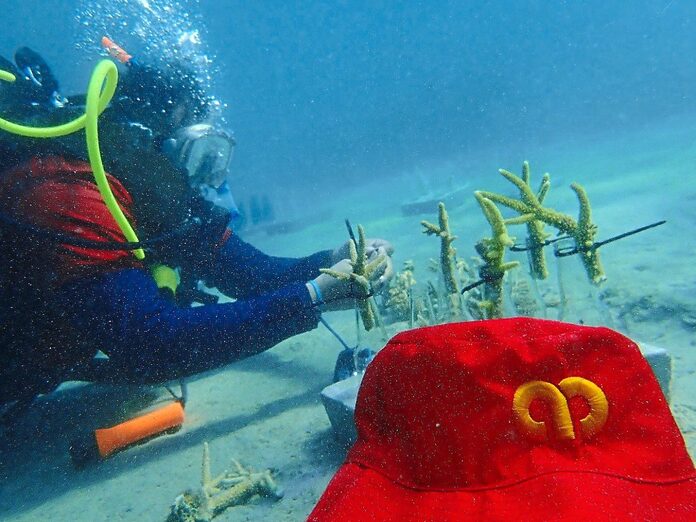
x: 102, y: 86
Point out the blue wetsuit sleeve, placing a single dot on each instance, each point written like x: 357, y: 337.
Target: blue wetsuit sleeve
x: 235, y: 267
x: 241, y: 270
x: 148, y: 338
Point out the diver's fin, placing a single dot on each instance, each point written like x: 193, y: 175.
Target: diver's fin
x: 33, y: 66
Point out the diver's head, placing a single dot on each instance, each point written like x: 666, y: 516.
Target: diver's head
x: 162, y: 99
x: 166, y: 107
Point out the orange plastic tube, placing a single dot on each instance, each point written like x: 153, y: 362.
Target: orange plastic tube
x: 110, y: 440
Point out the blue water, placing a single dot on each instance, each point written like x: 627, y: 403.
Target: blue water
x: 353, y: 108
x: 316, y: 90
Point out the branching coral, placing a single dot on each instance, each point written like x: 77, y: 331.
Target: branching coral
x: 363, y: 271
x: 523, y: 298
x: 399, y: 300
x: 231, y: 488
x: 536, y: 236
x: 447, y: 252
x: 492, y: 251
x: 530, y: 208
x: 447, y: 256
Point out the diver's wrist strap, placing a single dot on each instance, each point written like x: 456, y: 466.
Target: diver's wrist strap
x: 319, y: 299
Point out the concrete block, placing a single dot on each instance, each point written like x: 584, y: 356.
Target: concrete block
x: 660, y: 361
x: 339, y: 401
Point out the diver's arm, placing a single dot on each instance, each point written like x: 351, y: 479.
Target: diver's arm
x: 242, y: 270
x: 150, y: 339
x: 235, y: 267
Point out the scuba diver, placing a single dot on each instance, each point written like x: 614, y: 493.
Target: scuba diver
x: 70, y: 285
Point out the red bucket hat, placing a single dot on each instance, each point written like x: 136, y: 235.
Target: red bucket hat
x: 512, y: 419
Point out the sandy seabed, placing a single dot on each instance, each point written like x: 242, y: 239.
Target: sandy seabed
x: 266, y: 412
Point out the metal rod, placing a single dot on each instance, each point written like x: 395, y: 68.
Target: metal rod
x: 629, y: 233
x: 572, y: 251
x: 335, y: 333
x: 351, y: 234
x: 378, y: 317
x: 517, y: 248
x: 594, y: 246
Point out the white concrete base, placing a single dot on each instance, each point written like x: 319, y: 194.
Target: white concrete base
x: 661, y: 363
x: 339, y: 401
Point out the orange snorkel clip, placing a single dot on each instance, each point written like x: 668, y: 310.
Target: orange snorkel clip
x: 116, y: 51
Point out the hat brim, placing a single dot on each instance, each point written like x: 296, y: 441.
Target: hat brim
x: 359, y: 494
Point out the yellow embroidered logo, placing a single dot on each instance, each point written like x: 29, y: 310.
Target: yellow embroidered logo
x: 557, y: 398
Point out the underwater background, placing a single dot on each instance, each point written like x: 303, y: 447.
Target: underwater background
x: 317, y: 91
x: 360, y: 110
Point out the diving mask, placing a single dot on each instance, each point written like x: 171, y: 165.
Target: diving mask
x: 203, y: 151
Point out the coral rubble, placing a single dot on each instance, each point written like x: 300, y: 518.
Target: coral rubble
x: 215, y: 495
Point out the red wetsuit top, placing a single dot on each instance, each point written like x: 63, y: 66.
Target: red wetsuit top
x: 60, y: 195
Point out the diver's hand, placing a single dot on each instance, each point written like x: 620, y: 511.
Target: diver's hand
x: 380, y: 279
x: 341, y: 294
x: 336, y: 294
x: 371, y: 246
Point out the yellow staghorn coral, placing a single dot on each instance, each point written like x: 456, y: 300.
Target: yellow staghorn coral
x: 536, y: 236
x: 492, y: 251
x: 447, y: 252
x: 231, y: 488
x: 363, y: 271
x: 447, y: 256
x: 530, y: 208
